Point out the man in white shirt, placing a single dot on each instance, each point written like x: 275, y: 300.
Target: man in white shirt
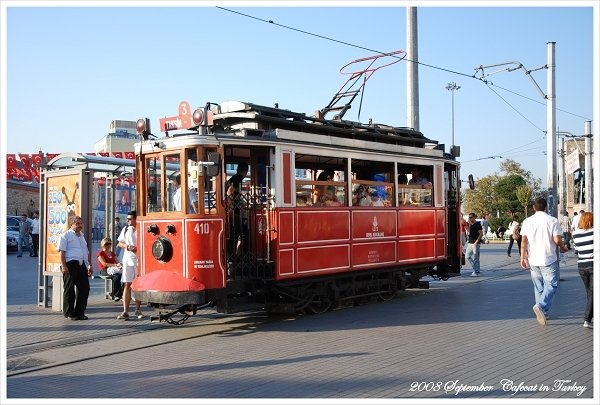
x: 192, y: 198
x: 128, y: 241
x: 76, y: 268
x: 575, y: 221
x: 541, y: 235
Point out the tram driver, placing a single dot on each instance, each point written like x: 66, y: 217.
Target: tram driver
x: 192, y: 197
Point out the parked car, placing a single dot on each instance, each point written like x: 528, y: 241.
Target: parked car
x: 12, y: 229
x: 11, y: 242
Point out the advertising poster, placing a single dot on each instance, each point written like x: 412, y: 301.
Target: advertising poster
x: 63, y: 202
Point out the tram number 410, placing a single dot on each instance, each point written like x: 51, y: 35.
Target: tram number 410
x: 202, y: 228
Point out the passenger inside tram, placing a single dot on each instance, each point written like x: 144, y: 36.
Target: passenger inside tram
x: 414, y: 187
x: 361, y: 197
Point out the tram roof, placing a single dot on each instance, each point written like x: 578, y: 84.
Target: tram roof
x: 254, y: 119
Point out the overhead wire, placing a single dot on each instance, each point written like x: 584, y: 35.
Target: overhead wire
x: 471, y: 76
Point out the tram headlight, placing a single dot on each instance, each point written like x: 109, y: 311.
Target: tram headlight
x: 198, y: 117
x: 171, y: 229
x: 162, y: 249
x: 153, y: 229
x: 142, y: 127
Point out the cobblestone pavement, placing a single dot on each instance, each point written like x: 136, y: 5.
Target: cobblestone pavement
x: 467, y: 338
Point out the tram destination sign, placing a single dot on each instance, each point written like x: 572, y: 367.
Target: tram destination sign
x: 181, y: 121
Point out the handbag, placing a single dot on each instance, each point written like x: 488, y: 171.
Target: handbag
x: 112, y: 270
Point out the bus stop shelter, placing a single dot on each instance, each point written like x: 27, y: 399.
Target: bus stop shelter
x: 98, y: 189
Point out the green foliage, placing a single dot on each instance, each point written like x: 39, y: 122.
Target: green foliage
x: 505, y: 194
x: 524, y: 194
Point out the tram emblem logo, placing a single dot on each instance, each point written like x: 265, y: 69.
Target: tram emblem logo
x: 375, y: 230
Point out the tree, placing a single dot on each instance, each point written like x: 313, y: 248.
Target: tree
x: 481, y: 200
x: 524, y: 195
x: 510, y: 167
x: 497, y: 194
x: 506, y: 193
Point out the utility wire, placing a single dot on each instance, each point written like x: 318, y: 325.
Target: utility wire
x: 539, y: 102
x: 517, y: 111
x: 343, y: 42
x: 471, y: 76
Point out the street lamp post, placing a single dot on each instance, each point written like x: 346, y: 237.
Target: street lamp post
x: 452, y: 87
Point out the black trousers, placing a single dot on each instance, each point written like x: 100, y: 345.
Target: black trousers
x: 510, y: 245
x: 35, y: 242
x: 76, y: 289
x: 586, y: 271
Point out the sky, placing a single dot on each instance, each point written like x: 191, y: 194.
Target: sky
x: 71, y: 70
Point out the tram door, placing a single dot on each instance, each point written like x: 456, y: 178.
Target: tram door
x: 247, y: 211
x: 452, y: 201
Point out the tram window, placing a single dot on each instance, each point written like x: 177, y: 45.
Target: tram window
x: 418, y: 191
x: 193, y: 171
x: 320, y: 181
x: 372, y: 184
x: 153, y: 184
x: 210, y: 185
x: 173, y: 183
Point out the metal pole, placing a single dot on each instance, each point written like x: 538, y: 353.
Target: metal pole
x: 551, y: 132
x: 412, y: 69
x: 452, y: 117
x: 587, y: 132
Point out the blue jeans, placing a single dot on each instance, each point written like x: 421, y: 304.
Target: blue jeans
x: 23, y: 240
x: 472, y: 255
x: 545, y: 284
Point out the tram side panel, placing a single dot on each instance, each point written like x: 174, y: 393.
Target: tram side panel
x: 313, y: 243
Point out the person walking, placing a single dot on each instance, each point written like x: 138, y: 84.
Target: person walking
x: 35, y: 234
x: 565, y: 224
x: 475, y: 236
x: 128, y: 241
x: 583, y: 239
x: 515, y: 234
x: 24, y: 231
x: 575, y: 221
x: 541, y: 234
x: 485, y: 225
x: 76, y: 268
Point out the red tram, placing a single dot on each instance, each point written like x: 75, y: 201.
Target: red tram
x: 328, y: 213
